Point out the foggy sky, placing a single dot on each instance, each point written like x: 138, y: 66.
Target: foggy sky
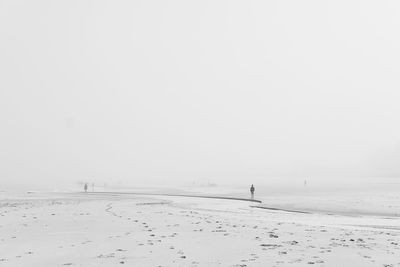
x: 164, y: 91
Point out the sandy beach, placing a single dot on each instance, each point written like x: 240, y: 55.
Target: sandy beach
x: 112, y: 229
x: 199, y: 133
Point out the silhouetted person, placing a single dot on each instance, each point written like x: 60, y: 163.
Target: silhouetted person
x: 252, y: 189
x: 85, y: 187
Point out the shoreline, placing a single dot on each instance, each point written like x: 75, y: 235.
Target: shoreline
x: 261, y: 205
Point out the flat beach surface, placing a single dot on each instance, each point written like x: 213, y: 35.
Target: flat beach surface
x: 112, y: 229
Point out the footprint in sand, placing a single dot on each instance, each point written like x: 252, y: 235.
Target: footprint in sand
x: 273, y: 235
x: 110, y: 255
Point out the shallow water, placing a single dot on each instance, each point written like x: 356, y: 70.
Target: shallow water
x: 376, y: 197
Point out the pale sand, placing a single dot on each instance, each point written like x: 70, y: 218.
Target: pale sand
x: 121, y: 229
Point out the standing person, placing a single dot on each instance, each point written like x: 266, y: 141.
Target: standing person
x: 85, y: 187
x: 252, y: 189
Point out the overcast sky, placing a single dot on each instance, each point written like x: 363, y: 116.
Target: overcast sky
x: 168, y: 91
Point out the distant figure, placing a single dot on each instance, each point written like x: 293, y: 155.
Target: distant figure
x: 85, y: 187
x: 252, y: 189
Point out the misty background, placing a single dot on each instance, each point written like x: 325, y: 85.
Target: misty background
x: 169, y: 92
